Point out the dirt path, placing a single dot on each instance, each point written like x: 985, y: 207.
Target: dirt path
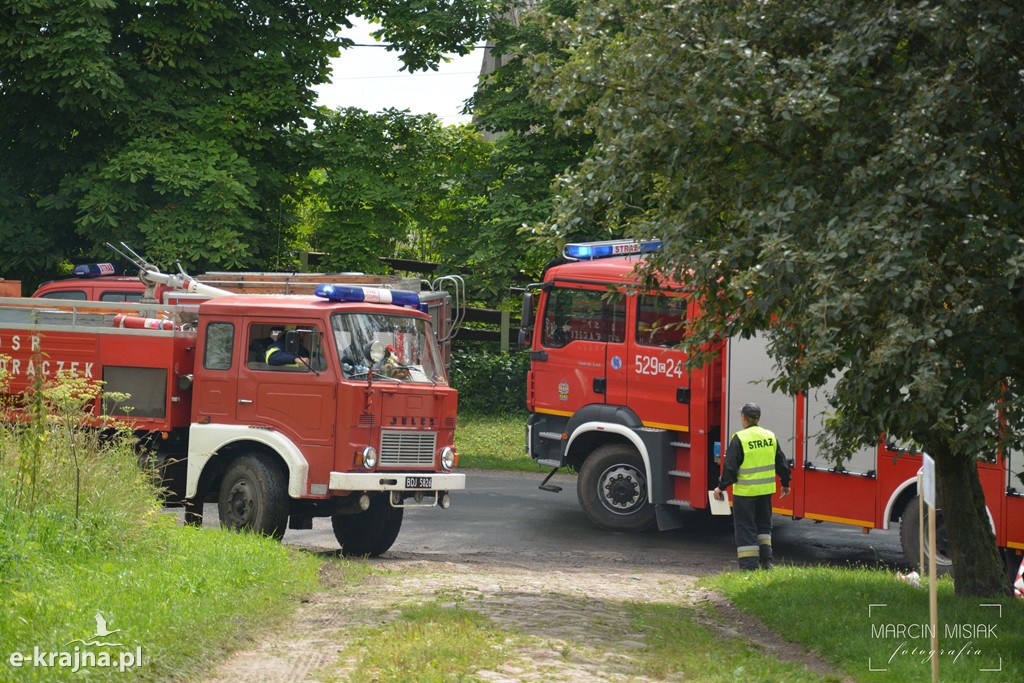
x: 572, y: 609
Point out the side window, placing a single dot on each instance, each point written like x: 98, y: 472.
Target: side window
x: 268, y: 348
x: 583, y: 314
x: 121, y: 296
x: 72, y: 294
x: 660, y: 320
x: 220, y: 337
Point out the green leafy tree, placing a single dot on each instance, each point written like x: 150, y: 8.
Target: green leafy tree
x: 175, y: 126
x: 847, y: 175
x: 392, y: 183
x: 532, y: 147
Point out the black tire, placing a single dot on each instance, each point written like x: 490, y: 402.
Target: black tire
x: 370, y: 533
x: 254, y: 497
x: 910, y: 528
x: 612, y: 488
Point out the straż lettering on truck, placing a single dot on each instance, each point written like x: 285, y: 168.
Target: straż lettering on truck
x: 610, y: 397
x: 278, y: 408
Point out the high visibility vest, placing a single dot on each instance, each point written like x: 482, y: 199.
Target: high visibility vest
x: 757, y: 473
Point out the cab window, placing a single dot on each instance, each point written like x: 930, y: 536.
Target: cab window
x: 121, y: 296
x: 220, y: 338
x: 660, y: 320
x: 69, y: 294
x: 583, y: 315
x: 264, y: 335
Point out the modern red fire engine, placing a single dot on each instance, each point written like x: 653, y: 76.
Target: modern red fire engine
x: 358, y: 428
x: 609, y: 396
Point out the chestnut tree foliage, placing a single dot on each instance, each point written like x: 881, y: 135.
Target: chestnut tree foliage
x: 178, y: 126
x: 848, y: 175
x: 394, y: 184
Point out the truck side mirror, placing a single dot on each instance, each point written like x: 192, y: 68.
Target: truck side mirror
x: 526, y: 320
x: 292, y: 342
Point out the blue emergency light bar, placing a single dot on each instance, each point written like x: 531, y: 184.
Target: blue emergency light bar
x: 582, y: 251
x: 373, y: 295
x: 94, y: 270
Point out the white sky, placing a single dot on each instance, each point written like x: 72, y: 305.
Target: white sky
x: 368, y: 78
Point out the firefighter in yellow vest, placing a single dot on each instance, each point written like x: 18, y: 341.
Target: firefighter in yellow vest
x: 752, y: 461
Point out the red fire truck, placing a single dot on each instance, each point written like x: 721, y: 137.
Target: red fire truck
x: 107, y: 282
x: 359, y: 428
x: 609, y: 396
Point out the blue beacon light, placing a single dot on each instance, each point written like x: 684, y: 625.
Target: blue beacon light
x: 581, y: 251
x: 375, y: 295
x: 93, y: 270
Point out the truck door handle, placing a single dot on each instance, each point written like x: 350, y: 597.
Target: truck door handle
x: 600, y: 385
x: 245, y: 400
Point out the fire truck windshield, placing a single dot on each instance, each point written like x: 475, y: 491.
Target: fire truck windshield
x: 410, y: 352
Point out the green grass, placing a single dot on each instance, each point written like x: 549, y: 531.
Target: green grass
x: 82, y: 532
x: 869, y: 624
x: 494, y: 442
x: 679, y: 648
x: 432, y: 643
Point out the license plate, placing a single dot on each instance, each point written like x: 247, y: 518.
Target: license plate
x: 419, y: 482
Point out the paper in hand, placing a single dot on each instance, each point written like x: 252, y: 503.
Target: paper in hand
x: 719, y: 507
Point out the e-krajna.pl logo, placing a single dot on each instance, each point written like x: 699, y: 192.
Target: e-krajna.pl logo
x: 90, y: 654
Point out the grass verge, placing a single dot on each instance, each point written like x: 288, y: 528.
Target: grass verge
x: 94, y: 577
x: 494, y: 442
x: 876, y: 628
x: 677, y: 644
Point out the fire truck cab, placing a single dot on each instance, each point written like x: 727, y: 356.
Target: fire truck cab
x: 609, y: 394
x: 93, y: 282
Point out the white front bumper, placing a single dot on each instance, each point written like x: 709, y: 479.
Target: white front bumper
x: 385, y: 481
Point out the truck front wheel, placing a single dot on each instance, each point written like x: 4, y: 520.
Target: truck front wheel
x: 371, y: 532
x: 911, y: 525
x: 254, y: 496
x: 612, y: 488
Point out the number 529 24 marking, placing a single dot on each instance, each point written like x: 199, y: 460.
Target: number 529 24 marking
x: 653, y: 365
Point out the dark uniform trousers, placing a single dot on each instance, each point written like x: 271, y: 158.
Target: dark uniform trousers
x: 753, y: 526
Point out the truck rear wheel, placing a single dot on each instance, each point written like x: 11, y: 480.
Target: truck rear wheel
x: 910, y: 528
x: 254, y: 496
x: 371, y: 532
x: 612, y: 488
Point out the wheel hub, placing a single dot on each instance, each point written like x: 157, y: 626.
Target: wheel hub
x: 622, y: 489
x: 241, y: 501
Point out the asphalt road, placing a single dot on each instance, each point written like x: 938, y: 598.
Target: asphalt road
x: 505, y: 515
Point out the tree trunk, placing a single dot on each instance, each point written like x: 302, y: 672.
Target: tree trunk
x: 977, y: 568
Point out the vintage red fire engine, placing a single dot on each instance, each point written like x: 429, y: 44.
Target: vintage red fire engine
x: 357, y: 427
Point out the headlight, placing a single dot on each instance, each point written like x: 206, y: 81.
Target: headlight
x: 447, y: 457
x: 369, y: 455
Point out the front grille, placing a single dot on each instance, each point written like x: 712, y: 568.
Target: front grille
x: 407, y: 449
